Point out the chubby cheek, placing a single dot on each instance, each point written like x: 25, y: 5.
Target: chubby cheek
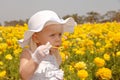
x: 41, y: 41
x: 51, y: 42
x: 55, y: 43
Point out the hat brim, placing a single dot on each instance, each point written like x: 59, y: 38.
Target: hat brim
x: 68, y: 26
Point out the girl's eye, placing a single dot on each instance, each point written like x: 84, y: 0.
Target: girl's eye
x: 60, y: 34
x: 52, y: 35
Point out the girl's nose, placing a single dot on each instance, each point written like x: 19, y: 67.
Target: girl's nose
x: 58, y: 38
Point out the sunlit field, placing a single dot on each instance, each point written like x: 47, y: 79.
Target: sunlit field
x: 91, y: 52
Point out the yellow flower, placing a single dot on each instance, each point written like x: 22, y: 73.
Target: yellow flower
x: 66, y: 44
x: 82, y: 74
x: 1, y: 39
x: 17, y: 51
x: 2, y: 73
x: 9, y: 42
x: 8, y: 56
x: 71, y: 68
x: 1, y: 63
x: 80, y: 65
x: 98, y: 44
x: 118, y: 53
x: 92, y: 52
x: 106, y: 57
x: 108, y: 45
x: 99, y: 62
x: 89, y: 43
x: 0, y: 52
x: 104, y: 73
x: 63, y: 56
x: 102, y: 49
x: 3, y: 46
x: 116, y: 37
x: 80, y: 51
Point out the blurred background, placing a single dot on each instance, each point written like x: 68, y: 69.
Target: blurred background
x: 19, y: 11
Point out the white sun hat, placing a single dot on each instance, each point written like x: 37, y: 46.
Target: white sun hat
x: 42, y: 18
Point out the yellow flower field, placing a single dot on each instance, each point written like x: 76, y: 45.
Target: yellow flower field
x: 91, y: 52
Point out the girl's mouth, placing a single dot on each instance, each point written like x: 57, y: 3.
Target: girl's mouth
x: 55, y: 47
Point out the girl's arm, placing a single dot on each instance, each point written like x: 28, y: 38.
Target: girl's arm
x: 27, y: 65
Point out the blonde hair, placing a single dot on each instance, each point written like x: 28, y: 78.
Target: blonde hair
x: 32, y: 45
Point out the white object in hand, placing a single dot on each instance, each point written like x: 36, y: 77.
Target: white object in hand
x: 46, y: 50
x: 41, y: 52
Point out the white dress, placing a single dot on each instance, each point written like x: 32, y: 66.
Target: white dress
x: 48, y: 69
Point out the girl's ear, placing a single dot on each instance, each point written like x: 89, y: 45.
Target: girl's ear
x: 34, y: 38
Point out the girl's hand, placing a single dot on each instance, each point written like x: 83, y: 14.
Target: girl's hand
x: 41, y: 52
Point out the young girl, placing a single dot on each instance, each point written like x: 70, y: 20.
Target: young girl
x: 41, y: 59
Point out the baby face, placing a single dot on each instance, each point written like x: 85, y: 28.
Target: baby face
x: 51, y: 33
